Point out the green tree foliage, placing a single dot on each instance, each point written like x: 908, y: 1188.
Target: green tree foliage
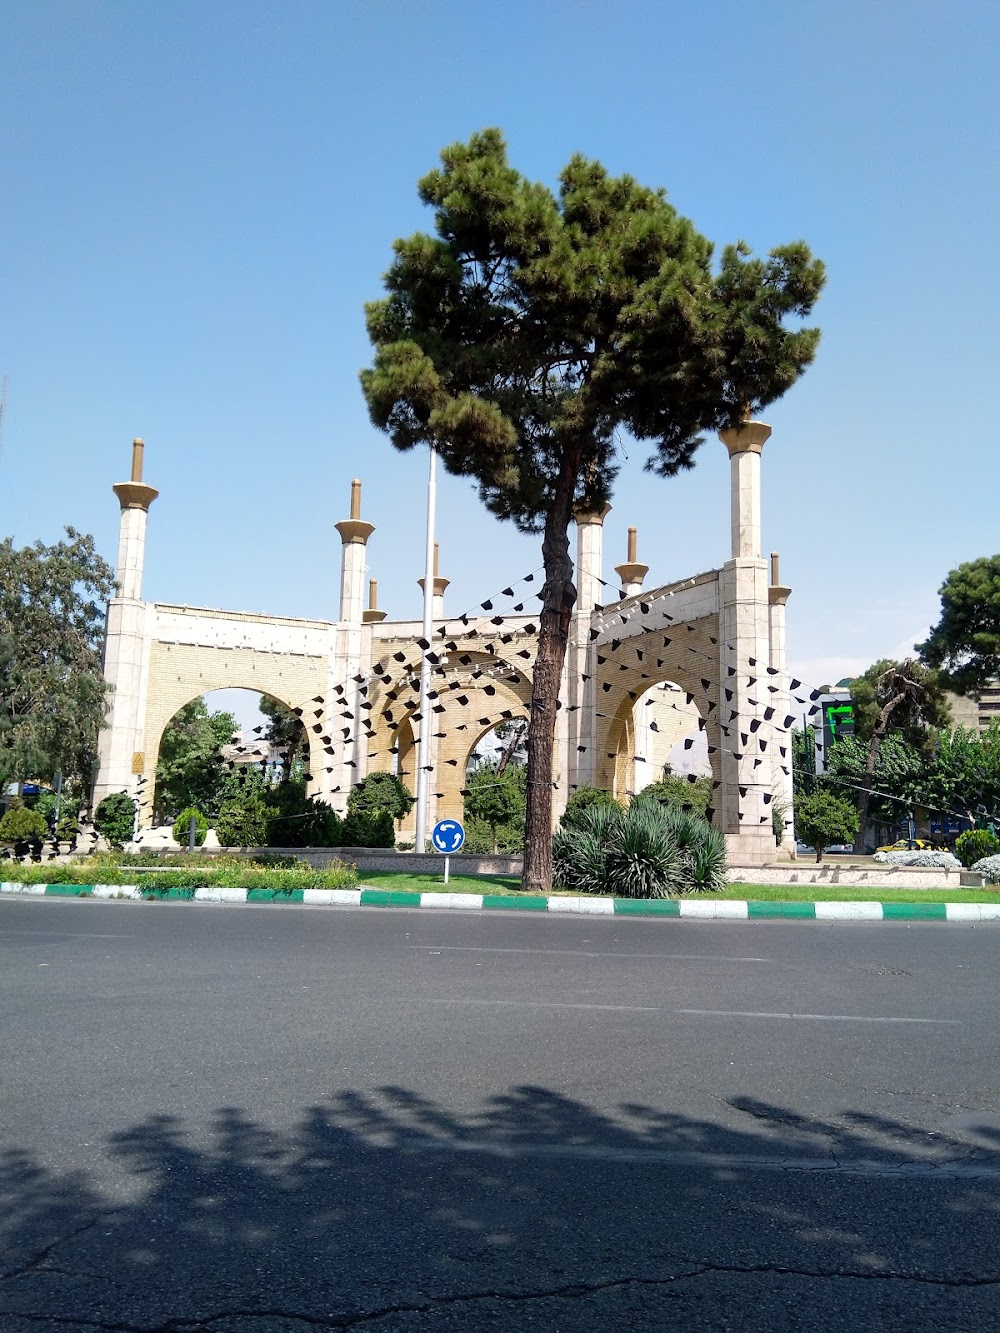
x: 965, y: 643
x: 22, y: 825
x: 964, y: 779
x: 824, y: 818
x: 895, y: 697
x: 960, y: 777
x: 181, y: 830
x: 114, y: 819
x: 243, y: 821
x: 380, y: 791
x: 52, y: 689
x: 190, y: 769
x: 900, y: 778
x: 904, y: 697
x: 971, y: 846
x: 690, y: 793
x: 582, y: 799
x: 497, y: 798
x: 298, y: 820
x: 533, y: 328
x: 286, y: 733
x: 369, y: 828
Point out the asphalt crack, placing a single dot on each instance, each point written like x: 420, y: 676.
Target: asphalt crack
x: 570, y: 1291
x: 37, y: 1260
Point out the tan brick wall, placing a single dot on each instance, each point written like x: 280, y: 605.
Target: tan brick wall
x: 690, y: 657
x: 503, y: 685
x: 179, y: 673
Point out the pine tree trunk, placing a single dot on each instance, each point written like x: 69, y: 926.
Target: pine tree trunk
x: 558, y: 600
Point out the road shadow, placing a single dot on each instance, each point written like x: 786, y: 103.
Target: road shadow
x: 391, y: 1211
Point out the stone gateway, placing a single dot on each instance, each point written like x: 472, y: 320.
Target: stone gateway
x: 699, y: 662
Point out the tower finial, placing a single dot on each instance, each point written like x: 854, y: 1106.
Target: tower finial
x: 137, y: 448
x: 355, y: 498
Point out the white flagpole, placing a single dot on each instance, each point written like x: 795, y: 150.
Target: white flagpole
x: 424, y: 744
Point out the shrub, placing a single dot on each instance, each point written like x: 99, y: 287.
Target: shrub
x: 182, y: 827
x: 922, y: 860
x: 115, y: 819
x: 298, y: 820
x: 975, y: 845
x: 21, y: 825
x: 582, y: 799
x: 380, y: 791
x: 647, y: 851
x: 374, y: 828
x: 686, y: 790
x: 643, y: 859
x: 243, y: 823
x: 479, y: 839
x: 989, y: 868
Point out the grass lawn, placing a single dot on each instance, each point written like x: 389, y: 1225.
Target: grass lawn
x: 787, y: 893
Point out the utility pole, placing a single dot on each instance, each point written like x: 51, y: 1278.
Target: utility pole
x: 423, y: 744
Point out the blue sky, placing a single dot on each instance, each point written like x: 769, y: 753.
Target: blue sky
x: 198, y: 199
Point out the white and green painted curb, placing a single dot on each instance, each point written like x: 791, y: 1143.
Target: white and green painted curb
x: 703, y: 909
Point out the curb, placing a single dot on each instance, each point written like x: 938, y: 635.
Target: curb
x: 726, y: 909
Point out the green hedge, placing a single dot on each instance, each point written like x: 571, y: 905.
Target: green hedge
x: 237, y: 876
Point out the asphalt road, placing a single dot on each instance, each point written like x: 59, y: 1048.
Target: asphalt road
x: 258, y: 1119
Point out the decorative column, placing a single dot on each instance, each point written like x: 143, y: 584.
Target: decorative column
x: 120, y: 748
x: 350, y: 762
x: 373, y: 615
x: 354, y: 534
x: 781, y: 764
x: 578, y: 731
x: 747, y: 737
x: 631, y: 573
x: 440, y: 584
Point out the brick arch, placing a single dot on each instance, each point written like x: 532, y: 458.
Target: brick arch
x: 181, y: 673
x: 618, y: 769
x: 649, y: 662
x: 486, y: 697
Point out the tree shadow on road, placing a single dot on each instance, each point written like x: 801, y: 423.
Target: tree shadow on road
x: 393, y: 1211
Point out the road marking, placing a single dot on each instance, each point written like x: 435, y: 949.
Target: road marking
x: 588, y: 953
x: 62, y: 935
x: 818, y: 1018
x: 548, y: 1004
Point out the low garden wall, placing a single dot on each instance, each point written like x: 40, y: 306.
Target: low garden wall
x: 404, y: 863
x: 880, y: 877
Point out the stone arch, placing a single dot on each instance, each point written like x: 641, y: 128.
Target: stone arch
x: 620, y: 757
x: 164, y: 704
x: 473, y: 691
x: 628, y: 669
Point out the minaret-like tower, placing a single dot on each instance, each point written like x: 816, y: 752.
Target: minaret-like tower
x: 631, y: 572
x: 747, y: 738
x: 576, y: 730
x: 781, y: 781
x: 354, y: 533
x: 440, y: 584
x: 121, y: 757
x: 373, y: 615
x: 353, y: 644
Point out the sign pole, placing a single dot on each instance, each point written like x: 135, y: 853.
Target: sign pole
x: 447, y: 863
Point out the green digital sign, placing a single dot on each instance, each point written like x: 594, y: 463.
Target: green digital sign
x: 838, y: 723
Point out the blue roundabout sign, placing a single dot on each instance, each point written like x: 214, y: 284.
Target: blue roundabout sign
x: 448, y: 836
